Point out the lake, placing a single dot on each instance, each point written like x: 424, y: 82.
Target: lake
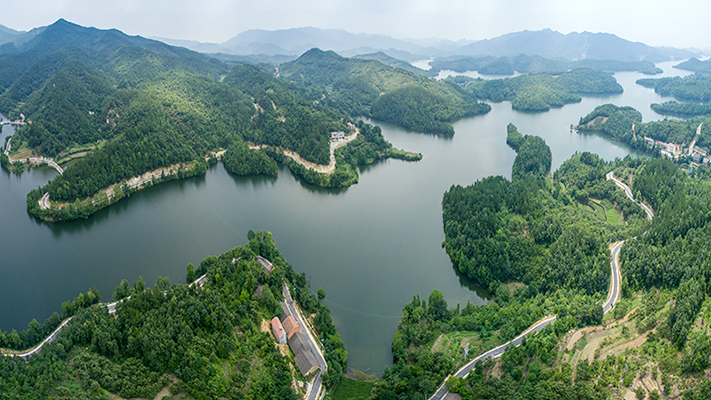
x: 371, y: 246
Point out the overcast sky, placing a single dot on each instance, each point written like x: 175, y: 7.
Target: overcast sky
x: 678, y: 23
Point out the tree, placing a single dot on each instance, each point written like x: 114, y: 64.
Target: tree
x: 321, y: 294
x: 641, y: 393
x: 122, y: 290
x: 437, y: 305
x: 191, y: 272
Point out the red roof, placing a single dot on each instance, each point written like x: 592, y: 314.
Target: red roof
x: 277, y: 327
x: 291, y: 326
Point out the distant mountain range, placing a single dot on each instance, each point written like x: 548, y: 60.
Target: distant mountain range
x: 545, y: 43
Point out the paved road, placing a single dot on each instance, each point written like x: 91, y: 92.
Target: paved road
x: 628, y: 192
x: 315, y: 388
x: 47, y: 161
x: 493, y: 353
x: 612, y: 298
x: 44, y: 201
x: 693, y: 142
x: 615, y: 279
x: 49, y: 339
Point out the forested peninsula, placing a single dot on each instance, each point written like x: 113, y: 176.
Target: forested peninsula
x: 136, y: 112
x: 209, y: 340
x: 540, y: 91
x: 686, y: 141
x: 530, y: 64
x: 693, y: 90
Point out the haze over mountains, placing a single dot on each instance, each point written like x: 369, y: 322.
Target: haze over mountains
x: 546, y: 43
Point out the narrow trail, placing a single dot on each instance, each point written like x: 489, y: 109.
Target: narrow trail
x: 612, y: 299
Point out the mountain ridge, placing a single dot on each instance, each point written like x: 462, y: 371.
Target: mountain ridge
x: 545, y: 43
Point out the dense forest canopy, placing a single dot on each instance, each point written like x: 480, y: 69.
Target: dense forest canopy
x: 540, y: 91
x: 695, y: 87
x: 529, y: 64
x: 535, y: 230
x: 686, y: 109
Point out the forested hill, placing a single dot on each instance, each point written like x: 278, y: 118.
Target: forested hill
x: 62, y: 79
x: 128, y: 60
x: 526, y: 64
x: 694, y: 64
x: 541, y: 91
x: 370, y: 88
x: 127, y: 106
x: 696, y: 87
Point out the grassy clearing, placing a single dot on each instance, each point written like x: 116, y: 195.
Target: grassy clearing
x: 454, y: 344
x: 613, y: 216
x: 599, y: 209
x: 78, y: 151
x: 351, y: 389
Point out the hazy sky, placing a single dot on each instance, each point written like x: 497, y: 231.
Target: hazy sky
x: 679, y: 23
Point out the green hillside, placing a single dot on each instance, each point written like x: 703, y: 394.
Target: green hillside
x: 540, y: 91
x: 369, y: 88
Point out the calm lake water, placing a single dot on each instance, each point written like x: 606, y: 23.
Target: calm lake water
x: 371, y: 246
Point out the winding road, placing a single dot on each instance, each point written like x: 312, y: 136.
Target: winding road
x: 611, y: 176
x: 612, y: 299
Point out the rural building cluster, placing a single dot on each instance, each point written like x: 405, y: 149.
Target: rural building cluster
x: 287, y: 330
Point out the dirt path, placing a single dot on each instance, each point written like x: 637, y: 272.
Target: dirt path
x: 580, y: 333
x: 323, y: 169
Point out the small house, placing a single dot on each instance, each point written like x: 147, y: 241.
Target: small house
x: 279, y: 331
x: 291, y: 326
